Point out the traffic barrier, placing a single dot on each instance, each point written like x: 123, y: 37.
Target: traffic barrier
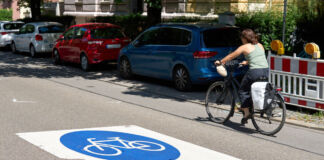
x: 301, y: 80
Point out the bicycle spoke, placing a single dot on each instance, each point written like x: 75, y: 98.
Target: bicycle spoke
x: 218, y: 103
x: 272, y: 120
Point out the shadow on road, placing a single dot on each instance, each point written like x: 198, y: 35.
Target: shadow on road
x: 22, y: 65
x: 233, y: 125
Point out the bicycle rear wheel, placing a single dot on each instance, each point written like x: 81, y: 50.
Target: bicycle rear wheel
x: 272, y: 120
x: 219, y: 103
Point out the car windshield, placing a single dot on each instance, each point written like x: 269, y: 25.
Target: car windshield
x: 12, y: 26
x: 106, y: 33
x: 222, y: 37
x: 51, y: 29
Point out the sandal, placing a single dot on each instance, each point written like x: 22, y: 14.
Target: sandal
x: 245, y: 120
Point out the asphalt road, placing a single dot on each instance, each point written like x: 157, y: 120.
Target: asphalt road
x: 38, y: 96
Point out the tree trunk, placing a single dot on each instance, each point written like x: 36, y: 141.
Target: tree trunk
x: 35, y: 9
x: 154, y: 13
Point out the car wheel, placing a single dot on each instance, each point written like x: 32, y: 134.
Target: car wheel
x: 32, y: 51
x: 181, y: 79
x: 13, y: 47
x: 84, y: 62
x: 125, y: 69
x: 56, y: 57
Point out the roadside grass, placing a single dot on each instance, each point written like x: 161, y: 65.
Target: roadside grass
x: 305, y: 115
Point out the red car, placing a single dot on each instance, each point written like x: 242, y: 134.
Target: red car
x: 90, y: 43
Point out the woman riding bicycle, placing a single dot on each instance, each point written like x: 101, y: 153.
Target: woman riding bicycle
x: 258, y: 67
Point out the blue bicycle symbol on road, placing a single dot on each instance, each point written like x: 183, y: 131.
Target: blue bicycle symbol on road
x: 118, y: 146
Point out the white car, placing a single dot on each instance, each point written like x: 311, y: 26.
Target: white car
x: 7, y: 29
x: 37, y: 37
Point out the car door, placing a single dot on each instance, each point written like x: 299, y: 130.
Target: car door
x: 65, y: 48
x: 27, y: 37
x: 141, y: 50
x: 172, y: 46
x: 78, y: 43
x: 18, y: 38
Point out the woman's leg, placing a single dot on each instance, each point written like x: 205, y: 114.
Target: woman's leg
x: 245, y: 94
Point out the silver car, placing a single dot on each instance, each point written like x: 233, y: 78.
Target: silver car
x: 38, y: 37
x: 7, y: 29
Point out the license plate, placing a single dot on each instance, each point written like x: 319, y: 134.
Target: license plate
x: 111, y: 46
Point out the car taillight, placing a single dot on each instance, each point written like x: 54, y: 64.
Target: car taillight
x: 204, y: 54
x: 279, y: 89
x: 4, y: 33
x: 38, y: 38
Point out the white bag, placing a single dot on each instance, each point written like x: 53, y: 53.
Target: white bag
x: 258, y: 92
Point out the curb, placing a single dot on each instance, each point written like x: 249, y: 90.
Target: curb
x: 304, y: 124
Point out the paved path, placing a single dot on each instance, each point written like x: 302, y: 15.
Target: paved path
x: 37, y: 96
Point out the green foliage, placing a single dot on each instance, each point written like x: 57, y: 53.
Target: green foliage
x: 5, y: 14
x: 153, y: 3
x: 309, y: 27
x: 132, y: 24
x: 65, y: 20
x: 269, y: 25
x: 183, y: 19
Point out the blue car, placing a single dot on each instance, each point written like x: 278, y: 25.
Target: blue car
x: 183, y: 53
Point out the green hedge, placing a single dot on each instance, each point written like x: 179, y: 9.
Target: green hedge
x: 269, y: 26
x: 5, y: 14
x: 309, y: 27
x: 132, y: 24
x: 65, y: 20
x: 301, y: 27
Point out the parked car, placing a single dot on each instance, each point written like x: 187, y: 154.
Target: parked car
x: 37, y: 37
x: 183, y: 53
x: 90, y: 43
x: 7, y: 29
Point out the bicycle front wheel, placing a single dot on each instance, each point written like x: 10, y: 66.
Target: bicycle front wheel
x: 272, y: 120
x: 219, y: 102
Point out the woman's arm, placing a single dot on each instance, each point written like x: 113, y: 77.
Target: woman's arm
x: 234, y: 54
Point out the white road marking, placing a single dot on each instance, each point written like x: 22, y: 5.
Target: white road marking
x: 16, y: 101
x: 50, y: 142
x: 114, y: 102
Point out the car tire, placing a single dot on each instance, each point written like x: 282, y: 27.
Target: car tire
x: 85, y: 66
x: 125, y: 69
x: 13, y: 48
x: 32, y: 51
x: 181, y: 79
x: 56, y: 57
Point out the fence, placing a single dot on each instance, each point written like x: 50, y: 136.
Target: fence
x: 301, y: 80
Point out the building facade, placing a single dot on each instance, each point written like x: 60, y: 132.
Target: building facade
x: 86, y: 9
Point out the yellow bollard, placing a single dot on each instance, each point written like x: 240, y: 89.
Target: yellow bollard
x: 277, y: 45
x: 313, y: 50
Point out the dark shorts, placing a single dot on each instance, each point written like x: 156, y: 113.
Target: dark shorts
x: 250, y: 77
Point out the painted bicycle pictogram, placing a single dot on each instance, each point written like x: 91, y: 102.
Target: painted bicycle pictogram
x: 114, y: 145
x: 107, y: 148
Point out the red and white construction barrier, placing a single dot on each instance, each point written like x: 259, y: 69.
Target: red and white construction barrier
x: 301, y: 80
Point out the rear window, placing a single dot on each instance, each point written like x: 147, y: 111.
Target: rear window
x: 225, y: 37
x: 51, y: 29
x: 12, y: 26
x: 106, y: 33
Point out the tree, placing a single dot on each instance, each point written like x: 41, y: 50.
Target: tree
x: 34, y: 6
x: 154, y: 8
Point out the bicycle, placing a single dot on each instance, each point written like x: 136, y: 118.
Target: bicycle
x: 97, y: 147
x: 221, y: 98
